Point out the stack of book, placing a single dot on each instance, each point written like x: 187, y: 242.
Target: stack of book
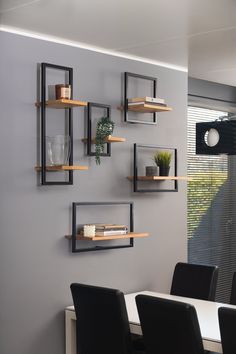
x: 146, y: 100
x: 110, y: 229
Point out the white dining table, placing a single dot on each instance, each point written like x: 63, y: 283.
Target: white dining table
x: 207, y: 312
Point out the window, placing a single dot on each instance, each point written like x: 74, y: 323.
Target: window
x: 211, y: 206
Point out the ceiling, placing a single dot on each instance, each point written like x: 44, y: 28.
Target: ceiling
x: 198, y: 34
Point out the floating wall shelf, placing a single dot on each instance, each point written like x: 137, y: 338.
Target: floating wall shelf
x: 138, y: 179
x: 114, y: 237
x: 63, y: 103
x: 161, y: 178
x: 109, y: 139
x: 105, y: 112
x: 63, y: 168
x: 136, y: 105
x: 75, y: 238
x: 67, y: 105
x: 148, y: 108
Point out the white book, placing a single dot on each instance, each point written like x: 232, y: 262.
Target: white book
x: 111, y: 233
x: 147, y: 99
x: 142, y: 102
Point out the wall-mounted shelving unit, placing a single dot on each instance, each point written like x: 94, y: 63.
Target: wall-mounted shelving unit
x: 158, y: 180
x: 90, y: 140
x: 141, y: 107
x: 63, y: 103
x: 75, y: 238
x: 63, y: 168
x: 67, y: 105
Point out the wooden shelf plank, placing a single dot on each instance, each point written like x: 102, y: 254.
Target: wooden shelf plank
x: 160, y: 178
x: 110, y: 237
x: 63, y: 168
x: 109, y: 139
x: 146, y: 108
x: 63, y: 103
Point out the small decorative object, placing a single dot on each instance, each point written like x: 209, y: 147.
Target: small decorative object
x: 163, y: 159
x: 104, y: 128
x: 89, y: 231
x: 63, y: 91
x: 58, y: 149
x: 151, y: 170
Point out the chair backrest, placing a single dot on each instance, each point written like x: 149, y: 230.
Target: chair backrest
x: 195, y: 280
x: 227, y: 322
x: 102, y: 325
x: 233, y: 290
x: 169, y: 327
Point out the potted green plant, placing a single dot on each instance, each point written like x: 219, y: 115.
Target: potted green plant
x: 104, y: 128
x: 162, y: 160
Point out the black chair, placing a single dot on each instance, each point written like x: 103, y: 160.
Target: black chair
x: 102, y: 325
x: 169, y: 327
x: 195, y: 280
x: 233, y: 290
x: 227, y: 322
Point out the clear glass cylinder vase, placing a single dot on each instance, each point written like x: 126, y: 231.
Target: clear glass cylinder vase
x: 58, y: 149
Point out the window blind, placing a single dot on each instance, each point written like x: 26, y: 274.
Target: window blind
x: 211, y: 206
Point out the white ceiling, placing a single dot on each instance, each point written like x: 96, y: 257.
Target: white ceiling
x: 198, y: 34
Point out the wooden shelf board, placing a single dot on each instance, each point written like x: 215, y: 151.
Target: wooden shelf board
x: 63, y: 168
x: 109, y: 139
x: 110, y: 237
x: 160, y: 178
x: 63, y: 103
x: 146, y: 108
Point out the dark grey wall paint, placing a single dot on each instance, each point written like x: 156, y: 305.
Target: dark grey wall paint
x: 36, y: 264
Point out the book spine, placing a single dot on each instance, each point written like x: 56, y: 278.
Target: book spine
x: 110, y: 233
x: 142, y: 102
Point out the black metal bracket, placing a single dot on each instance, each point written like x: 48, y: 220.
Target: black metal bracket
x: 44, y: 67
x: 136, y: 174
x: 126, y: 108
x: 76, y: 205
x: 89, y: 142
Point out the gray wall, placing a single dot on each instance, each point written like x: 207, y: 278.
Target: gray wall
x: 37, y: 266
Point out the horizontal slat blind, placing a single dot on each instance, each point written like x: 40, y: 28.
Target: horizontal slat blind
x: 211, y: 211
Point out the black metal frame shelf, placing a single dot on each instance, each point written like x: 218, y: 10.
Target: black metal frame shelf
x: 128, y: 75
x: 136, y: 178
x: 75, y: 238
x: 89, y: 140
x: 67, y: 105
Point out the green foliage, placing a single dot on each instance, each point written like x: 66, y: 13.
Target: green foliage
x: 104, y: 128
x: 162, y: 158
x: 202, y: 191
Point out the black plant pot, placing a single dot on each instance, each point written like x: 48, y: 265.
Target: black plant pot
x: 164, y: 170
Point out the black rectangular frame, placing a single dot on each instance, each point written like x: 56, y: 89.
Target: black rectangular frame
x: 135, y: 170
x: 75, y: 205
x: 89, y: 128
x: 44, y: 181
x: 126, y: 108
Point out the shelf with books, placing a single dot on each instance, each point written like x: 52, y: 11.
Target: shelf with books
x: 111, y: 237
x: 102, y: 232
x: 145, y: 104
x: 160, y: 178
